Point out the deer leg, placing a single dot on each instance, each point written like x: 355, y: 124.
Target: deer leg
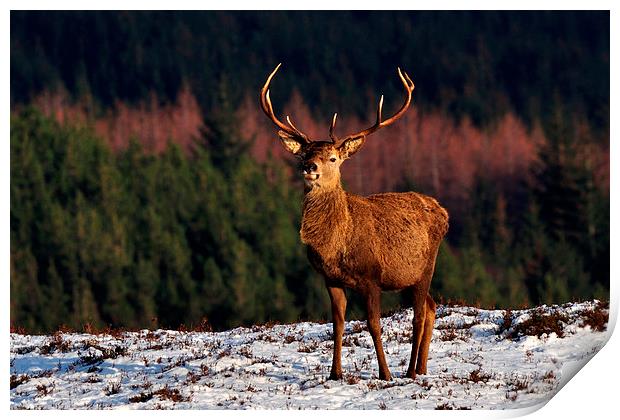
x: 339, y: 306
x: 429, y: 323
x: 419, y: 314
x: 373, y: 308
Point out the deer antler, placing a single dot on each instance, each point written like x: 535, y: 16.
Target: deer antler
x: 331, y: 129
x: 408, y: 84
x: 265, y: 103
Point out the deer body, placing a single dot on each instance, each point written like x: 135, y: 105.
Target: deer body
x: 386, y: 239
x: 368, y: 244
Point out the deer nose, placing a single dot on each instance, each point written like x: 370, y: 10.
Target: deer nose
x: 309, y: 167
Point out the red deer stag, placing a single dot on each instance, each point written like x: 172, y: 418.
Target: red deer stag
x: 369, y: 244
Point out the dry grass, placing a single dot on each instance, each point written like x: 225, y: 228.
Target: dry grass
x: 55, y: 343
x: 350, y: 341
x: 92, y: 379
x: 224, y: 353
x: 550, y: 377
x: 43, y: 390
x: 358, y: 328
x: 479, y: 376
x: 17, y: 380
x: 203, y: 326
x: 192, y: 378
x: 167, y: 393
x: 451, y: 333
x: 142, y: 397
x: 308, y: 348
x: 448, y: 406
x: 112, y: 388
x: 25, y: 349
x: 351, y: 379
x: 506, y: 322
x: 597, y: 317
x: 106, y: 353
x: 246, y: 351
x: 541, y: 323
x: 519, y: 384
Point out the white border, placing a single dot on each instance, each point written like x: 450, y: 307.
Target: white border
x: 593, y: 391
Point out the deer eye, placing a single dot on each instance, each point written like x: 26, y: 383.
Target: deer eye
x: 332, y: 159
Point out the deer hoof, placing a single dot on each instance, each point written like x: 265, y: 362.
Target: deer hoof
x: 385, y: 376
x: 335, y: 376
x: 410, y: 374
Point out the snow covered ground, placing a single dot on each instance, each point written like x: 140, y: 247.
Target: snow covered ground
x: 479, y: 359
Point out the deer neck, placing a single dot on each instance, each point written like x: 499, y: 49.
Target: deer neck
x: 326, y: 223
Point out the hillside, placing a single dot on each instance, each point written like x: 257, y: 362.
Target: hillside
x: 479, y: 359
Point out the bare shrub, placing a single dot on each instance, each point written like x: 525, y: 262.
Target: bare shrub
x: 596, y: 317
x: 506, y: 322
x: 17, y: 380
x: 307, y: 348
x: 351, y: 379
x: 43, y: 389
x: 167, y: 393
x: 479, y: 376
x: 113, y: 388
x: 142, y: 397
x: 55, y: 343
x: 541, y: 323
x: 350, y: 341
x: 92, y: 379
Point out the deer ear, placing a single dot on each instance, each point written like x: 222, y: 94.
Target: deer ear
x: 351, y: 146
x: 290, y: 143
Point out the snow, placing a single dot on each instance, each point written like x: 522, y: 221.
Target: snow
x: 475, y: 362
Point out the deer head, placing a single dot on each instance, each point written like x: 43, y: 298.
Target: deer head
x: 321, y: 160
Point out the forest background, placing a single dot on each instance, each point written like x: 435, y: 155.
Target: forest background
x: 149, y: 190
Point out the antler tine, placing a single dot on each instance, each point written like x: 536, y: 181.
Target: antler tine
x: 331, y: 129
x: 409, y: 86
x: 264, y: 93
x: 412, y: 86
x: 299, y: 133
x: 290, y: 130
x: 379, y: 110
x: 265, y: 102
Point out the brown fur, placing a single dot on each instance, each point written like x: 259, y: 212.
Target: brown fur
x: 368, y: 244
x: 381, y: 242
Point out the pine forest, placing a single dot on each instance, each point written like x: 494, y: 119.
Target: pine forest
x: 148, y: 189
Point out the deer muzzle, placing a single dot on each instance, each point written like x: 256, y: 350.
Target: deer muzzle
x: 310, y: 176
x: 310, y: 172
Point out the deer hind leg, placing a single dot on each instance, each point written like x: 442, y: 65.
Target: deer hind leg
x: 339, y: 306
x: 373, y: 308
x: 419, y: 316
x: 429, y: 323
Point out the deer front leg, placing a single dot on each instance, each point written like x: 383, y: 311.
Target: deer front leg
x: 339, y: 306
x: 373, y: 307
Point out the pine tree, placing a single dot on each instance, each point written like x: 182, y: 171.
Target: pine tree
x: 56, y: 312
x: 565, y: 196
x: 221, y: 134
